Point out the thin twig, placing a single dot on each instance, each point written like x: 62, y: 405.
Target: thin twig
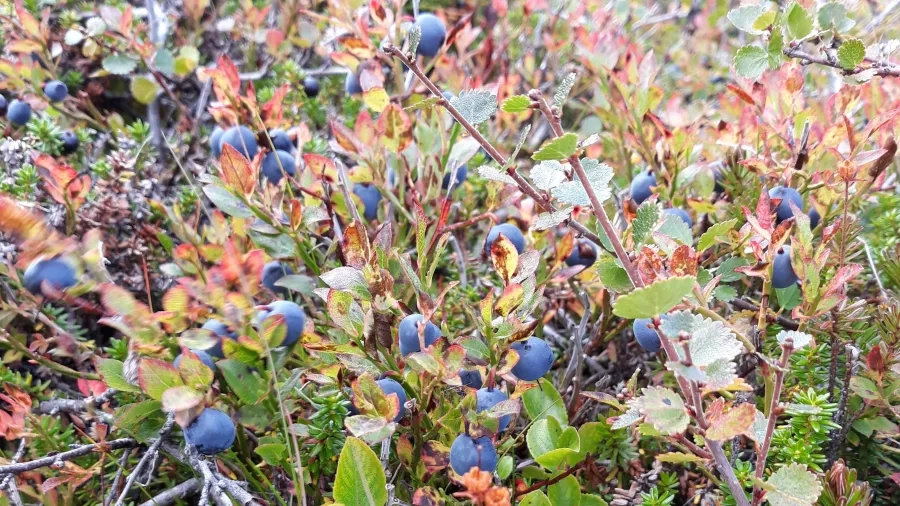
x: 883, y: 70
x: 178, y: 492
x: 148, y: 456
x: 773, y: 412
x: 115, y: 484
x: 59, y: 458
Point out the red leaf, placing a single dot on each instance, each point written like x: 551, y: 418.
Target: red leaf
x: 237, y: 172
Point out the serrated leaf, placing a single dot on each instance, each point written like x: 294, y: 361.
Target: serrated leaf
x: 727, y: 269
x: 647, y: 218
x: 799, y: 21
x: 548, y: 175
x: 144, y: 89
x: 546, y: 221
x: 573, y: 192
x: 851, y: 53
x: 360, y: 479
x: 559, y: 148
x: 751, y: 61
x: 664, y: 409
x: 627, y: 418
x: 612, y: 275
x: 679, y: 458
x: 475, y: 106
x: 774, y: 50
x: 743, y: 18
x: 655, y: 299
x: 793, y: 485
x: 494, y: 174
x: 833, y: 16
x: 709, y: 340
x: 415, y: 36
x: 736, y: 421
x: 164, y: 60
x: 565, y: 87
x: 675, y: 228
x: 800, y: 339
x: 119, y: 64
x: 516, y: 103
x: 714, y: 232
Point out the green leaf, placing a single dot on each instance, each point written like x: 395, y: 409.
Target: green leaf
x: 714, y: 232
x: 348, y: 279
x: 653, y: 300
x: 545, y: 401
x: 710, y: 340
x: 188, y: 58
x: 241, y: 379
x: 564, y: 88
x: 360, y: 478
x: 675, y: 228
x: 612, y: 275
x: 546, y: 221
x: 542, y: 436
x: 790, y: 297
x: 415, y: 36
x: 272, y: 453
x: 751, y: 61
x: 833, y: 16
x: 799, y: 22
x: 774, y: 49
x: 725, y: 293
x: 598, y: 174
x: 679, y: 458
x: 494, y: 174
x: 144, y: 89
x: 565, y: 492
x: 727, y: 269
x: 851, y: 53
x: 793, y: 485
x: 505, y: 467
x: 559, y: 148
x: 156, y: 376
x: 744, y: 18
x: 119, y: 64
x: 227, y: 202
x: 112, y: 373
x: 475, y: 106
x: 593, y: 500
x: 298, y: 283
x: 664, y: 409
x: 516, y: 103
x: 536, y: 498
x: 141, y: 419
x: 647, y: 218
x: 164, y: 61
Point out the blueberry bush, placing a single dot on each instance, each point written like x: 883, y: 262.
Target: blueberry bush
x: 370, y: 253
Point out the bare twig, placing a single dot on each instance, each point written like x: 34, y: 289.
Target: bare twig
x: 9, y: 482
x: 115, y: 484
x: 884, y: 69
x: 772, y: 413
x: 180, y: 491
x: 150, y: 455
x: 59, y: 458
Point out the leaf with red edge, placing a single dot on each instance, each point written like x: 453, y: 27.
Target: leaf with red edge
x: 117, y: 300
x: 512, y: 296
x: 156, y: 376
x: 20, y: 222
x: 355, y: 246
x: 726, y: 425
x: 193, y: 371
x: 237, y: 172
x: 361, y: 48
x: 322, y: 166
x: 273, y: 110
x: 395, y: 127
x: 365, y: 128
x: 232, y: 77
x: 346, y: 139
x: 505, y: 257
x: 29, y: 24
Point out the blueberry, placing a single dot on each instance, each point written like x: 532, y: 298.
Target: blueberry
x: 311, y: 86
x: 211, y: 432
x: 281, y: 140
x: 215, y: 140
x: 351, y: 409
x: 487, y: 398
x: 466, y: 453
x: 433, y: 34
x: 408, y: 334
x: 57, y: 272
x: 389, y: 386
x: 535, y: 358
x: 449, y: 96
x: 202, y: 355
x: 19, y: 113
x: 272, y: 272
x: 461, y: 174
x: 56, y: 91
x: 294, y: 319
x: 786, y: 194
x: 783, y: 274
x: 640, y: 186
x: 646, y: 334
x: 242, y: 139
x: 509, y: 231
x: 276, y: 164
x: 370, y: 197
x: 681, y: 213
x: 69, y: 142
x: 471, y: 379
x: 392, y: 177
x: 221, y: 331
x: 814, y: 218
x: 3, y: 106
x: 584, y: 253
x: 351, y: 85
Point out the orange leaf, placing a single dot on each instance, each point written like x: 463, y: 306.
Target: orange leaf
x: 237, y: 171
x: 29, y: 24
x: 322, y: 166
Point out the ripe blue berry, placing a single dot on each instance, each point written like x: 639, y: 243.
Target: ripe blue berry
x: 471, y: 379
x: 221, y: 331
x: 19, y: 113
x: 311, y: 86
x: 389, y: 386
x: 272, y: 272
x: 408, y: 334
x: 351, y: 85
x: 783, y: 274
x: 215, y: 140
x: 449, y: 96
x: 461, y: 174
x: 433, y: 34
x: 211, y: 432
x: 57, y: 272
x: 814, y: 218
x: 370, y: 197
x: 681, y: 213
x: 56, y: 91
x: 786, y: 194
x: 646, y: 335
x: 202, y: 355
x: 640, y: 186
x: 281, y: 140
x: 3, y: 106
x: 535, y: 358
x: 584, y: 253
x: 466, y: 453
x: 69, y: 142
x: 509, y: 231
x: 276, y: 164
x: 294, y: 319
x: 487, y: 398
x: 242, y: 139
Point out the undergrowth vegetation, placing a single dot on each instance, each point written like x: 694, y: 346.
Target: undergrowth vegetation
x: 371, y: 253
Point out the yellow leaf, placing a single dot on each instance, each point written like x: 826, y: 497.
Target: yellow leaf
x: 376, y: 99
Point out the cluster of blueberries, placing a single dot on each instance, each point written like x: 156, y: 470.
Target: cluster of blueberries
x: 19, y: 113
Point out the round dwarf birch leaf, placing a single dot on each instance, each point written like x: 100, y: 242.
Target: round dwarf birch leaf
x: 475, y: 106
x: 793, y: 485
x: 851, y: 53
x: 494, y: 174
x: 548, y: 175
x: 516, y: 103
x: 800, y: 339
x: 751, y: 61
x: 559, y: 148
x: 647, y: 218
x: 664, y: 409
x: 550, y: 220
x: 744, y: 17
x: 655, y: 299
